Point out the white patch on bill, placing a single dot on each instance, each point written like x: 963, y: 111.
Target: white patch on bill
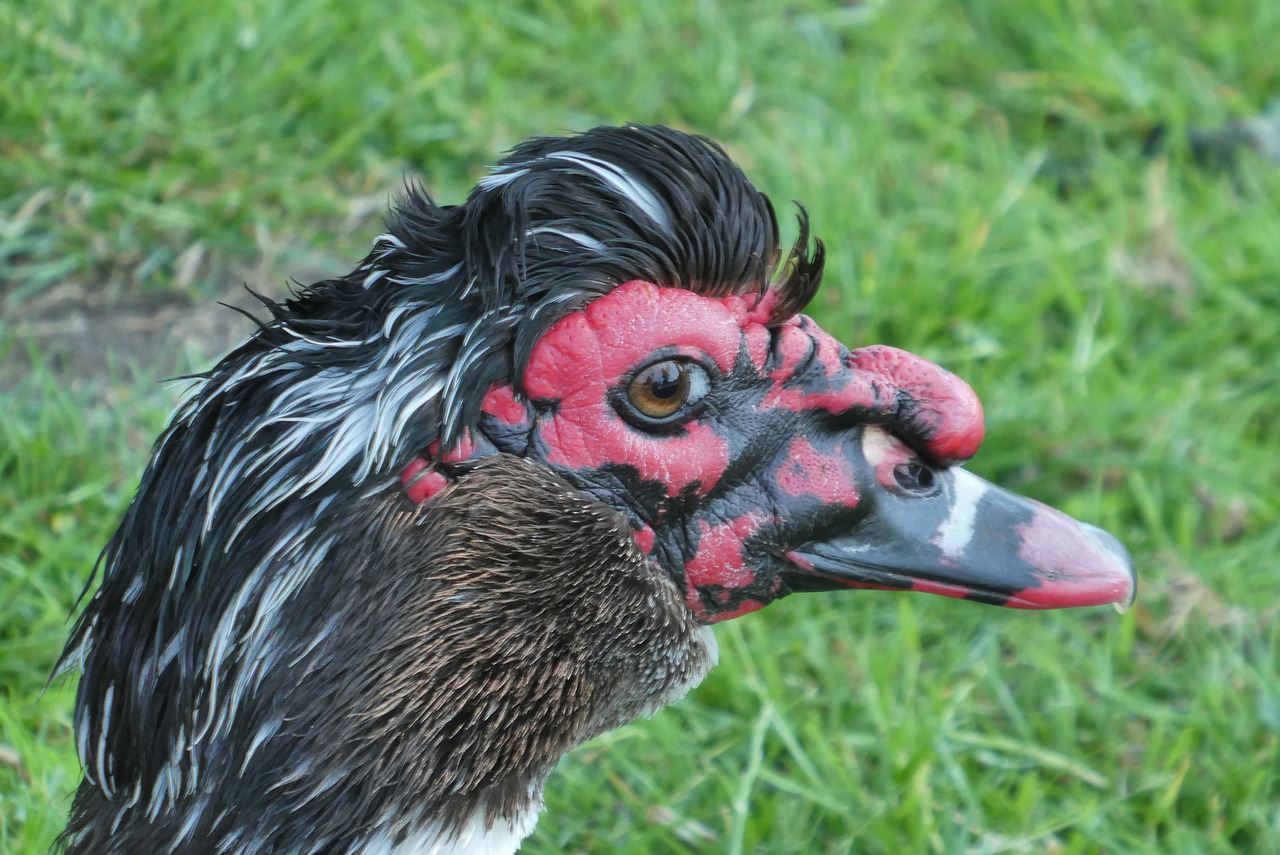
x: 956, y: 531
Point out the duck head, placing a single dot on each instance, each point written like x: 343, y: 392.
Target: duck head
x: 755, y: 456
x: 444, y: 518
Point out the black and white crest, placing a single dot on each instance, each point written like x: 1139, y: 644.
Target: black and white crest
x: 340, y: 386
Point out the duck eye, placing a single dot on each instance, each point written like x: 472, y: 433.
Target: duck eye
x: 663, y: 390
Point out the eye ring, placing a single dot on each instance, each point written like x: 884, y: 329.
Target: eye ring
x: 664, y: 392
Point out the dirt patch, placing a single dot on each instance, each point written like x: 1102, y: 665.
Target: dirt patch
x: 95, y: 346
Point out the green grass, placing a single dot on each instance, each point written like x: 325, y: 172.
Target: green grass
x: 977, y: 172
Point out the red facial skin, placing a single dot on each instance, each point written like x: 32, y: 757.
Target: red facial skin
x: 721, y: 561
x: 588, y: 353
x: 829, y: 478
x: 782, y: 370
x: 421, y: 481
x: 501, y: 403
x: 945, y: 416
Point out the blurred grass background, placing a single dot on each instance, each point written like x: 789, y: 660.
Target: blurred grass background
x: 1004, y: 188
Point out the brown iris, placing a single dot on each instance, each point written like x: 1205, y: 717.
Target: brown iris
x: 659, y: 391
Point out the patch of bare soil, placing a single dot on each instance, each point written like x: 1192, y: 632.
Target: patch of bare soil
x: 100, y: 347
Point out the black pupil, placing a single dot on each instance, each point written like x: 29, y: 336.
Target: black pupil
x: 665, y: 382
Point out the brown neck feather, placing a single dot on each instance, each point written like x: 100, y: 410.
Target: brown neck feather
x: 433, y: 670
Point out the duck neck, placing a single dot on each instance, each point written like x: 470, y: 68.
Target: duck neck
x: 516, y: 619
x: 419, y: 685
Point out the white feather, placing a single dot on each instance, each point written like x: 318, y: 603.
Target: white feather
x: 579, y: 238
x: 621, y: 181
x: 497, y: 179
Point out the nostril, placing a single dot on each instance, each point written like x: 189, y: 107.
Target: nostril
x: 914, y: 477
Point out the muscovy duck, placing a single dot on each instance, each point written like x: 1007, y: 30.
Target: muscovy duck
x: 443, y: 519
